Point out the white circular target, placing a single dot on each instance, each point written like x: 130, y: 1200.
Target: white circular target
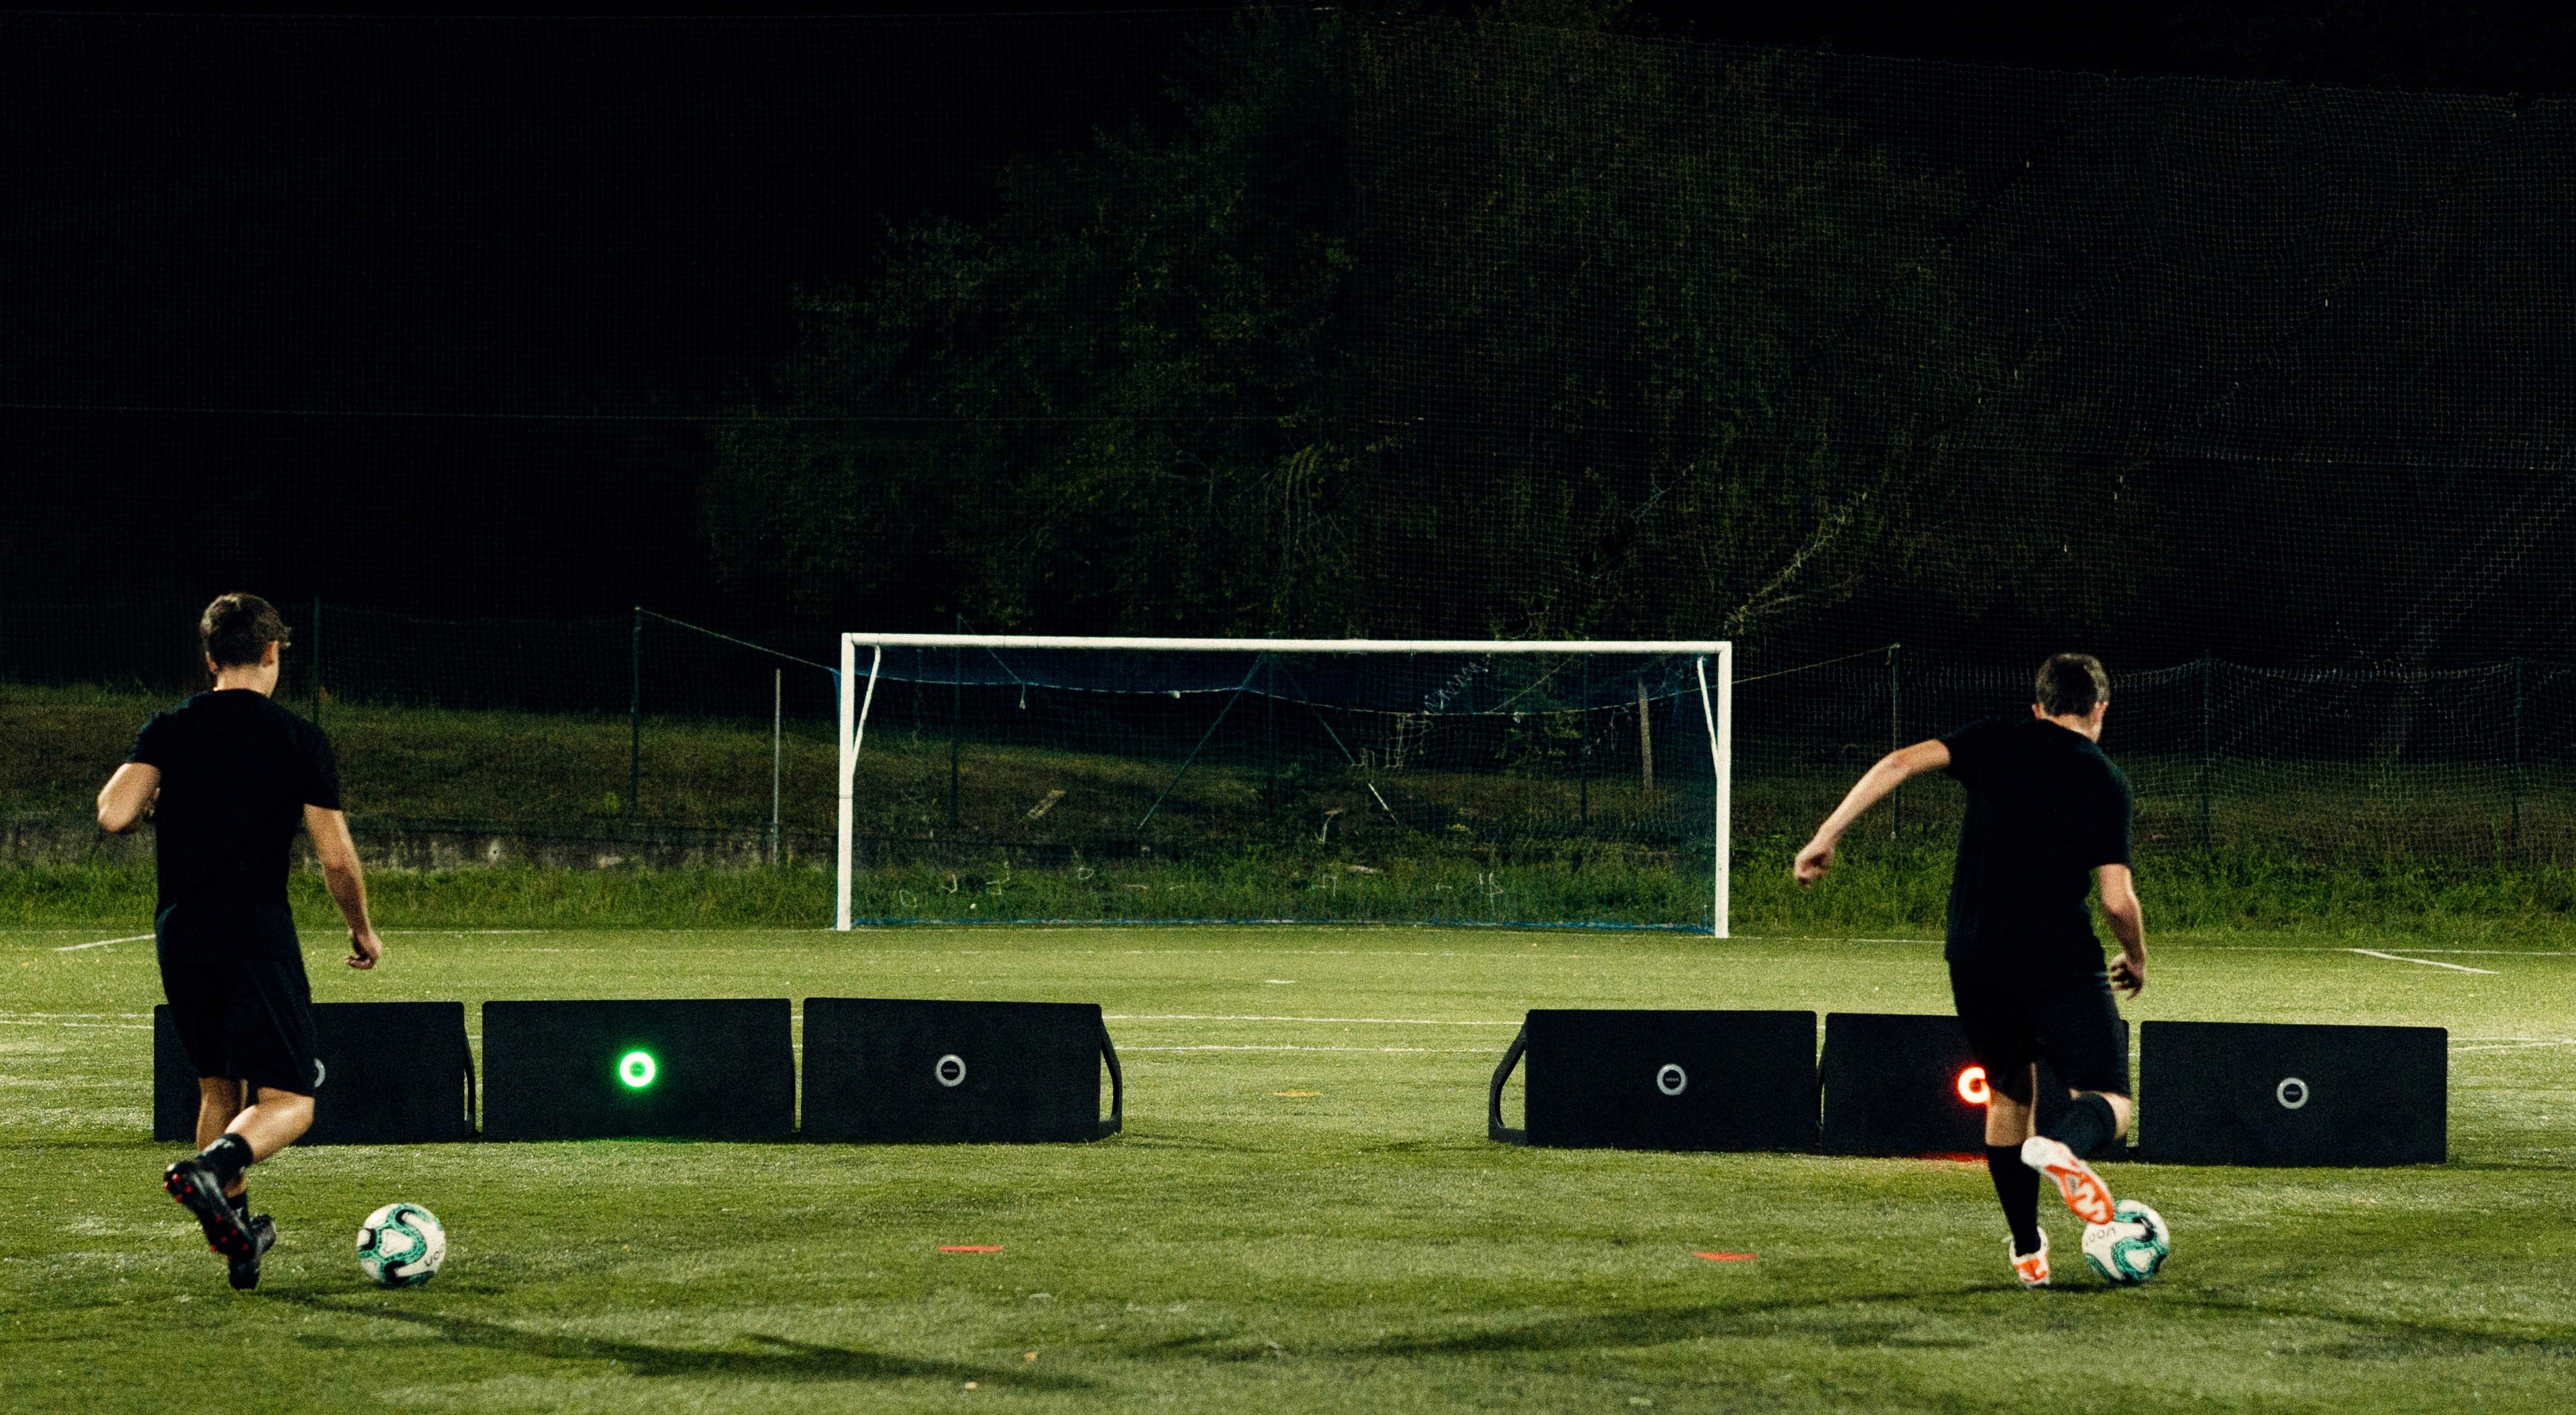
x: 1672, y: 1080
x: 2292, y: 1093
x: 950, y: 1069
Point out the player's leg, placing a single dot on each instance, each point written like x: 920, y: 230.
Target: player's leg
x: 268, y: 1029
x: 2001, y: 1039
x: 2078, y: 1023
x: 268, y: 1040
x: 219, y: 1099
x: 2008, y: 1120
x: 277, y: 1120
x: 201, y: 992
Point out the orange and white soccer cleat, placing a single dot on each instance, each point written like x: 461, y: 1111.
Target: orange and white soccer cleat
x: 2031, y: 1268
x: 2084, y: 1190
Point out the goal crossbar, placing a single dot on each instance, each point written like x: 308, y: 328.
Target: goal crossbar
x: 1679, y: 648
x: 857, y: 694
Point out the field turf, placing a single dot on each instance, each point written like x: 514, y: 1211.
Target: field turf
x: 1303, y: 1214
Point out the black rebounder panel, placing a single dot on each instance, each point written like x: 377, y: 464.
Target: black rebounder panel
x: 2268, y: 1094
x: 1663, y: 1080
x: 715, y: 1069
x: 894, y: 1070
x: 393, y: 1073
x: 1903, y: 1084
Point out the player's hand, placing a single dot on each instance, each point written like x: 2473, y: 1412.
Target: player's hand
x: 2128, y: 974
x: 364, y: 948
x: 1813, y: 861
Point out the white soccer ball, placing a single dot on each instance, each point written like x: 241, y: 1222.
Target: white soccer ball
x: 402, y: 1245
x: 2131, y: 1247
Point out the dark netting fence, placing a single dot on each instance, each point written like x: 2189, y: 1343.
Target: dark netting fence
x: 1348, y: 326
x: 1064, y: 784
x: 1519, y: 788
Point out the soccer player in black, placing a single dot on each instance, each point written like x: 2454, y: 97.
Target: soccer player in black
x: 2045, y: 810
x: 229, y: 775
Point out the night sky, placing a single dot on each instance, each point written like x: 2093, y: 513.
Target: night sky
x: 427, y: 313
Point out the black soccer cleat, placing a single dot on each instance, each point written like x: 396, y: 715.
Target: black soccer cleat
x: 244, y: 1272
x: 201, y: 1193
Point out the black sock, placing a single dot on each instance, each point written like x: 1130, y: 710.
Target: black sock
x: 2086, y: 1125
x: 227, y: 1157
x: 241, y: 1202
x: 2017, y: 1186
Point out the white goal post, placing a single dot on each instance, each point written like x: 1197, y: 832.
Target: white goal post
x: 1713, y: 666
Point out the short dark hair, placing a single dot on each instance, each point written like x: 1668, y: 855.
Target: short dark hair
x: 2070, y: 684
x: 238, y: 628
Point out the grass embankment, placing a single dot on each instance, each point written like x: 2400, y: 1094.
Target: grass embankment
x: 1303, y: 1213
x: 1053, y: 834
x: 1890, y: 895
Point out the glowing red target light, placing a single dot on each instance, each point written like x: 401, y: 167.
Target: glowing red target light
x: 1972, y: 1086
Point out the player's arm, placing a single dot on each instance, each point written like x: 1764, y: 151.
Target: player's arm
x: 126, y: 800
x: 2119, y: 889
x: 338, y: 855
x: 1873, y: 786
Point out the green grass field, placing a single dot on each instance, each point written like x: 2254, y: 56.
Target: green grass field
x: 1303, y: 1213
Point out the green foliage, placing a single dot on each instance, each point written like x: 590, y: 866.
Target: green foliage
x: 1496, y: 325
x: 1100, y: 410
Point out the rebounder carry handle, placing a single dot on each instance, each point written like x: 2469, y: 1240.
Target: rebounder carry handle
x: 1495, y: 1130
x: 1117, y: 1087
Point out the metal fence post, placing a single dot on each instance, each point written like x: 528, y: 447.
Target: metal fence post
x: 2517, y: 753
x: 315, y: 653
x: 777, y: 719
x: 1583, y: 747
x: 635, y: 721
x: 1895, y: 739
x: 2208, y: 669
x: 956, y: 722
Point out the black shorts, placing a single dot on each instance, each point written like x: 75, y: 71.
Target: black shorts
x: 241, y: 1004
x: 2014, y: 1017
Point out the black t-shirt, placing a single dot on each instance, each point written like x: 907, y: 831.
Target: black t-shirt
x: 2044, y: 808
x: 237, y: 772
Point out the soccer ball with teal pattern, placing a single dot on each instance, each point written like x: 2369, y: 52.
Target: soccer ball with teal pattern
x: 401, y: 1245
x: 2131, y: 1247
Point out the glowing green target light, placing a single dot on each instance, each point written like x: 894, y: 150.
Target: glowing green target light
x: 636, y: 1069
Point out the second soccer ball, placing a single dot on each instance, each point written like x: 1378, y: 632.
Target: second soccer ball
x: 2131, y: 1247
x: 401, y: 1245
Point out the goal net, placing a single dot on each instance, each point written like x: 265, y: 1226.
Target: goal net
x: 1042, y: 779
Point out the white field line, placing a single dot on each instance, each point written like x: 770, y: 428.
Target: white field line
x: 2500, y: 952
x: 1478, y: 1051
x: 2421, y: 962
x: 2513, y: 1043
x: 1228, y: 1017
x: 102, y: 943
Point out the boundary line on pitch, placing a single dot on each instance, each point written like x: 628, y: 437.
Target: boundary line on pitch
x: 102, y: 943
x: 2423, y: 962
x: 1355, y: 1021
x: 1281, y: 1046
